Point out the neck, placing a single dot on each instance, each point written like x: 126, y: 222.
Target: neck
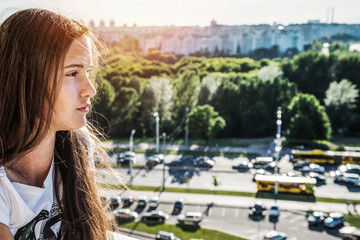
x: 34, y: 166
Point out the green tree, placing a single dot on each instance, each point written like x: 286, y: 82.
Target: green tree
x: 205, y: 123
x: 311, y: 69
x: 103, y: 103
x: 209, y: 85
x: 157, y: 97
x: 340, y: 104
x: 308, y: 119
x: 269, y: 72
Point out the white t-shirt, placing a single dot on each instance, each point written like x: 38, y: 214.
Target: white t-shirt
x: 30, y: 212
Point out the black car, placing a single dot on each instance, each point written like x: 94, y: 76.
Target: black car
x: 156, y: 216
x: 257, y: 208
x: 244, y: 165
x: 204, y: 162
x: 128, y: 201
x: 178, y: 206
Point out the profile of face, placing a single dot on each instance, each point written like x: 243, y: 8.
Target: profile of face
x: 73, y: 100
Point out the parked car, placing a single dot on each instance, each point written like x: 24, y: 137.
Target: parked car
x: 275, y: 235
x: 125, y: 158
x: 313, y: 168
x: 335, y: 219
x: 179, y: 204
x: 319, y: 177
x: 162, y: 235
x: 269, y: 166
x: 128, y: 201
x: 351, y: 178
x: 244, y: 165
x: 316, y: 218
x: 154, y: 160
x: 274, y: 211
x: 154, y: 202
x: 125, y: 214
x: 350, y: 168
x: 115, y: 202
x: 300, y: 164
x: 204, y: 162
x: 142, y: 201
x: 190, y: 218
x: 260, y: 161
x: 158, y: 216
x: 257, y: 208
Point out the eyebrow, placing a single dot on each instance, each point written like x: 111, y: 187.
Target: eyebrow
x: 75, y: 65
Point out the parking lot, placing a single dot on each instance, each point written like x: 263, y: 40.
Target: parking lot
x: 240, y: 222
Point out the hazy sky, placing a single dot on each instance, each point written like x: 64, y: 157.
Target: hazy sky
x: 195, y: 12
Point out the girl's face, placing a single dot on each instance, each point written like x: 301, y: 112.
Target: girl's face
x: 73, y: 100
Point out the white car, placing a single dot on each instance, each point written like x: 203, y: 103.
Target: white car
x: 274, y: 211
x: 154, y: 202
x: 190, y: 218
x: 313, y: 168
x: 274, y: 235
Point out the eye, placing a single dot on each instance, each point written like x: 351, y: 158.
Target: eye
x: 72, y: 74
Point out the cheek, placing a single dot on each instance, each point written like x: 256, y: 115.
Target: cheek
x: 66, y: 98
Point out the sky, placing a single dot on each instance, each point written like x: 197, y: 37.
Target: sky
x: 194, y: 12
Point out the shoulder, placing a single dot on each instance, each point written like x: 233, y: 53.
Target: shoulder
x: 6, y: 190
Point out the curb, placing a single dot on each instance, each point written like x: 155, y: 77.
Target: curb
x: 133, y: 233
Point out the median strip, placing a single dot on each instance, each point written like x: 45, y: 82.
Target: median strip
x: 280, y: 196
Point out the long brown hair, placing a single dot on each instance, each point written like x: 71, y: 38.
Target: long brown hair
x: 33, y: 46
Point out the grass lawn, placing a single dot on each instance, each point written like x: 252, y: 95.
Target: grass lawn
x: 182, y: 232
x: 353, y: 220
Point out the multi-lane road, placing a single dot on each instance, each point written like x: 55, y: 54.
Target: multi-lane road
x: 229, y: 179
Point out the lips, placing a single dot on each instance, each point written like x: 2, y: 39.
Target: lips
x: 84, y: 108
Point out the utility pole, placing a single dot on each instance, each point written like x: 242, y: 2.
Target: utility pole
x: 157, y: 119
x: 164, y: 142
x: 187, y: 127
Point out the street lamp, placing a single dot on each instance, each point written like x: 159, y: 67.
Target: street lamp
x: 187, y: 127
x: 157, y: 119
x: 277, y: 147
x: 164, y: 141
x: 131, y: 150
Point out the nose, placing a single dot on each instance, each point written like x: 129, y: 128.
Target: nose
x: 88, y: 90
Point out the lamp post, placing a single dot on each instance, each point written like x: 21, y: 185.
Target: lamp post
x: 131, y: 150
x: 157, y: 119
x: 163, y: 151
x: 187, y: 127
x: 277, y: 147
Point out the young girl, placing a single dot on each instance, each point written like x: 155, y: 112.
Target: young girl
x: 47, y: 187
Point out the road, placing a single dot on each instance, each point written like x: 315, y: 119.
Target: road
x: 229, y: 179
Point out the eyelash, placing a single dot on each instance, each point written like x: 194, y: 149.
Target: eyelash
x: 75, y: 73
x: 72, y: 74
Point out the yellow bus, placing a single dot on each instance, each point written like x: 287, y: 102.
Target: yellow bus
x: 286, y: 184
x: 326, y: 157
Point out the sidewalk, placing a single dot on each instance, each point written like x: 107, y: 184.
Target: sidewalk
x: 193, y: 147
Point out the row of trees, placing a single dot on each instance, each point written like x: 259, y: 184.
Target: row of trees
x: 231, y: 97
